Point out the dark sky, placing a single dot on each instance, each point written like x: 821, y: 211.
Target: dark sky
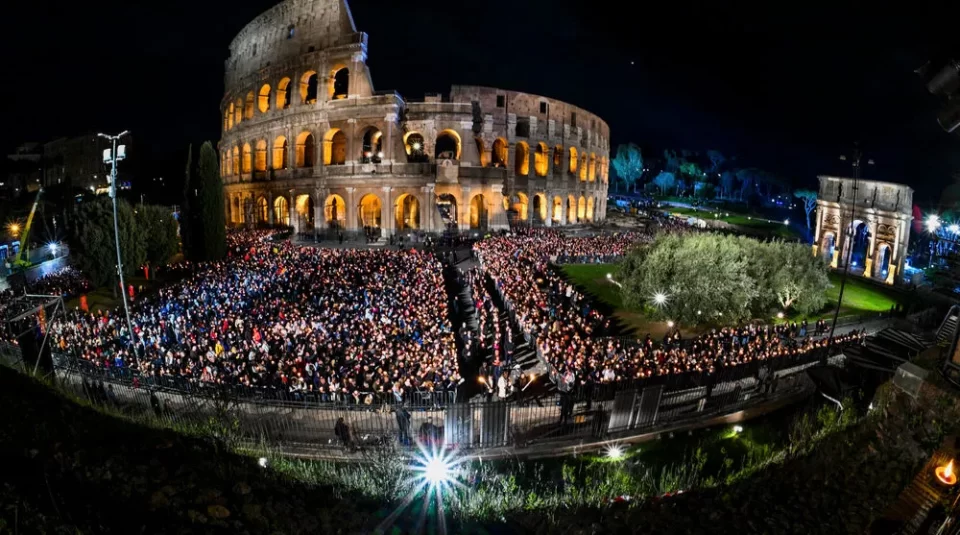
x: 779, y: 88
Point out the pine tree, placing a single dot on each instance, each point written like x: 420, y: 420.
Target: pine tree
x: 212, y: 218
x: 186, y: 222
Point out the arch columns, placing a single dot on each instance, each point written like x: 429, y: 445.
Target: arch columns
x: 464, y: 210
x: 351, y: 214
x: 292, y: 213
x: 270, y: 210
x: 387, y: 212
x: 497, y: 217
x: 430, y: 204
x: 319, y: 204
x: 390, y: 121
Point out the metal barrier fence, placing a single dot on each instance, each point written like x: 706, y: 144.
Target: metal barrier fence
x: 549, y: 420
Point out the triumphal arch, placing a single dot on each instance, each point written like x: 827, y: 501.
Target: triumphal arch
x: 865, y: 222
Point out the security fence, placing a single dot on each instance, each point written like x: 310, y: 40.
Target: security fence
x: 548, y: 420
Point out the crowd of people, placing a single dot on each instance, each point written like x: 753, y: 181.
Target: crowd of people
x: 575, y: 339
x: 66, y: 282
x: 353, y: 326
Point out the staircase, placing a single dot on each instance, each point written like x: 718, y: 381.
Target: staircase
x: 947, y: 332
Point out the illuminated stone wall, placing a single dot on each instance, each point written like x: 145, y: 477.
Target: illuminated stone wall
x: 873, y: 219
x: 308, y: 142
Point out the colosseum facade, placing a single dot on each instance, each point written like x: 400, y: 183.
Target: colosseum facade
x: 308, y: 142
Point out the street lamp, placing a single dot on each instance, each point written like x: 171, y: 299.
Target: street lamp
x: 932, y: 223
x: 112, y: 156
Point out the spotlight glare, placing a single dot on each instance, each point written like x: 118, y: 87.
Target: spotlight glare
x: 262, y: 461
x: 670, y: 324
x: 435, y: 467
x: 954, y: 228
x: 614, y: 452
x: 780, y: 315
x: 659, y: 298
x: 737, y: 429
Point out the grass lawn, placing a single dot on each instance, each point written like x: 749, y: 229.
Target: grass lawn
x: 741, y: 220
x: 859, y: 297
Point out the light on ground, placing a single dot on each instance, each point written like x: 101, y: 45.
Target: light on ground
x: 53, y: 247
x: 780, y: 315
x: 435, y: 467
x: 609, y: 275
x: 670, y: 323
x: 786, y: 221
x: 262, y: 461
x: 737, y: 429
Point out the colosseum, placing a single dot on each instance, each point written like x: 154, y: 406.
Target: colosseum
x: 307, y: 141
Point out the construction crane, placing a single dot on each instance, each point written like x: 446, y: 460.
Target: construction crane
x: 26, y: 230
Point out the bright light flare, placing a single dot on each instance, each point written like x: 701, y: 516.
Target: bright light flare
x: 737, y: 429
x: 779, y: 315
x: 932, y: 222
x: 262, y: 462
x: 659, y: 298
x: 670, y: 323
x: 614, y: 452
x: 436, y: 468
x: 954, y: 228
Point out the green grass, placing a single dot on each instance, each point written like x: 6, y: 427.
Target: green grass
x: 741, y: 220
x: 859, y: 297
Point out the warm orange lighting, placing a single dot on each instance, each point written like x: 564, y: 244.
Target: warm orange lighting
x: 15, y: 228
x: 946, y: 474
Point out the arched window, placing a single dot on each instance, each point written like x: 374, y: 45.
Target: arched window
x: 498, y: 155
x: 305, y: 209
x: 557, y: 212
x: 260, y: 157
x: 572, y: 169
x: 264, y: 98
x: 583, y: 168
x: 369, y: 211
x: 407, y: 212
x: 228, y: 163
x: 592, y: 170
x: 236, y: 161
x: 521, y: 164
x: 334, y: 147
x: 281, y: 211
x: 557, y: 158
x: 227, y: 119
x: 448, y: 145
x: 335, y: 211
x: 248, y: 107
x: 283, y: 94
x: 280, y: 153
x: 415, y: 146
x: 247, y: 158
x: 230, y: 116
x: 238, y: 111
x: 263, y: 210
x: 306, y: 150
x: 571, y: 209
x: 582, y: 208
x: 590, y: 205
x: 339, y: 83
x: 308, y: 87
x: 371, y: 149
x: 540, y: 159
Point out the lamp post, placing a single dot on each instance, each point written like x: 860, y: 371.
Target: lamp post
x: 112, y: 156
x: 855, y: 162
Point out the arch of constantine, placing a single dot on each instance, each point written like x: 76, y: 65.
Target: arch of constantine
x: 874, y: 236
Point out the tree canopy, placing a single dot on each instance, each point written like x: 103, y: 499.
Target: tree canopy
x: 160, y: 229
x: 204, y: 221
x: 92, y: 243
x: 628, y: 164
x: 724, y: 279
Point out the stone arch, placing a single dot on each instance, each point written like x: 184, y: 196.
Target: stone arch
x: 557, y: 210
x: 339, y: 84
x: 248, y: 106
x: 415, y: 146
x: 236, y: 161
x: 478, y: 212
x: 280, y: 153
x: 308, y: 87
x: 371, y: 145
x: 334, y: 147
x: 520, y: 205
x: 884, y: 260
x: 590, y: 206
x: 482, y: 151
x: 498, y: 154
x: 247, y: 165
x: 541, y: 159
x: 236, y: 211
x: 306, y: 150
x: 859, y: 241
x: 260, y: 156
x: 448, y: 144
x: 369, y: 211
x: 592, y: 169
x: 572, y: 168
x: 238, y: 111
x: 521, y: 154
x: 230, y: 116
x: 263, y: 210
x: 407, y: 212
x: 828, y: 244
x: 281, y: 211
x: 557, y: 157
x: 583, y: 168
x: 284, y: 88
x: 540, y: 207
x: 582, y: 208
x: 263, y: 99
x: 571, y: 209
x: 228, y: 171
x: 448, y: 208
x: 335, y: 211
x: 305, y: 211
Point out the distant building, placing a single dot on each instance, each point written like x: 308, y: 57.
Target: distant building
x: 76, y: 162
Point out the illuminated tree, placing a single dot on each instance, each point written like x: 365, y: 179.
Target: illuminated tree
x: 628, y: 164
x: 665, y: 181
x: 716, y: 161
x: 809, y: 199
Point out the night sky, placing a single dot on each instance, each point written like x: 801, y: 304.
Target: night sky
x: 783, y: 90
